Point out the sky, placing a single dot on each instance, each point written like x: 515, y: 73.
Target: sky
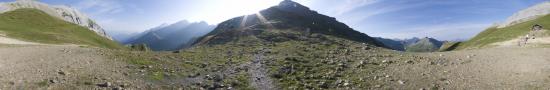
x: 440, y: 19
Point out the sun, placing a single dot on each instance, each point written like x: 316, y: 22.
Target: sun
x: 216, y: 11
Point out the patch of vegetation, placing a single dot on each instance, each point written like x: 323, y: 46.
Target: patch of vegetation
x: 43, y: 83
x: 299, y: 65
x: 493, y: 34
x: 36, y: 26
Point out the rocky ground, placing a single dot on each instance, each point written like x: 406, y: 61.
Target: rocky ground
x: 292, y: 65
x: 61, y: 67
x: 496, y: 68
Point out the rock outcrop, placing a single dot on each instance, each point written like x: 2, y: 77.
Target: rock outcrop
x: 528, y: 14
x: 59, y: 11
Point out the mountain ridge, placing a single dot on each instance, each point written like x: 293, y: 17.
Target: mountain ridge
x: 169, y: 37
x: 288, y: 15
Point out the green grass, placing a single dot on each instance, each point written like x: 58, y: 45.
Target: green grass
x: 36, y: 26
x: 43, y: 83
x: 493, y: 34
x: 449, y: 46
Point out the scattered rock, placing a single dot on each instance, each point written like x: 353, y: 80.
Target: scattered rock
x: 401, y: 82
x: 346, y: 84
x: 61, y: 72
x: 409, y: 62
x: 53, y: 81
x: 377, y: 86
x: 386, y: 61
x: 106, y: 84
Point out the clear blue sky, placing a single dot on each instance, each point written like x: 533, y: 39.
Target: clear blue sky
x: 442, y: 19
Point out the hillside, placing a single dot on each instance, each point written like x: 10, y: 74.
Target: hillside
x: 287, y: 21
x: 528, y: 14
x: 172, y: 37
x: 424, y: 45
x: 61, y: 12
x: 514, y: 32
x: 36, y: 26
x: 449, y: 46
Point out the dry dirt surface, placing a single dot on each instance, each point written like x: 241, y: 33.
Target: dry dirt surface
x: 60, y: 67
x: 486, y: 69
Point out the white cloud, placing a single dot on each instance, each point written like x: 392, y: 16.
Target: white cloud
x: 351, y: 5
x: 100, y: 7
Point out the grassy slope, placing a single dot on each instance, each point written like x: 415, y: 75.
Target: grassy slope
x: 36, y: 26
x: 493, y: 34
x: 449, y: 46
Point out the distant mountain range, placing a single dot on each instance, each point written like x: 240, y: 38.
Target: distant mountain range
x: 413, y: 44
x: 169, y: 37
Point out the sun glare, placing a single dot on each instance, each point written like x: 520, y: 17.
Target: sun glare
x: 220, y: 10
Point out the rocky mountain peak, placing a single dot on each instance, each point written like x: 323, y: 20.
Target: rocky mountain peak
x: 59, y: 11
x: 530, y: 13
x: 291, y: 6
x: 288, y: 15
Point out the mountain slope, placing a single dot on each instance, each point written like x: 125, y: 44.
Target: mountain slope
x: 57, y: 11
x: 527, y: 14
x: 517, y: 25
x: 495, y: 35
x: 37, y: 26
x: 425, y: 45
x: 172, y: 37
x: 286, y: 21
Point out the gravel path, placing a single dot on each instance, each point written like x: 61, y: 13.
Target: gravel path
x: 259, y: 77
x: 495, y: 68
x: 4, y: 40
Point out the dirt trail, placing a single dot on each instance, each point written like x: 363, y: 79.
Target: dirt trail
x: 60, y: 66
x: 258, y: 72
x: 5, y: 40
x: 496, y: 68
x: 536, y: 38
